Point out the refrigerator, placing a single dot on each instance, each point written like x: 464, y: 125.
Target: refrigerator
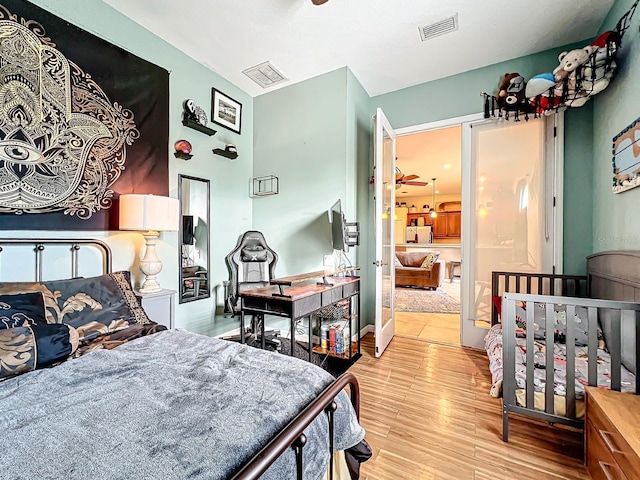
x: 401, y: 223
x: 424, y: 234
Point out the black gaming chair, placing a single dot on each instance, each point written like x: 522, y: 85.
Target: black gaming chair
x: 251, y: 264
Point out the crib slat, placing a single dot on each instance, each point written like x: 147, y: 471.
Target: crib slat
x: 592, y: 345
x: 570, y: 398
x: 509, y: 367
x: 616, y: 349
x: 549, y: 364
x: 530, y: 389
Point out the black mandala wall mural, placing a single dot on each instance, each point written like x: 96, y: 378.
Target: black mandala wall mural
x: 81, y: 121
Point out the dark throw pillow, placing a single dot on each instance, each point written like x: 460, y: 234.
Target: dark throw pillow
x: 21, y: 309
x: 97, y: 305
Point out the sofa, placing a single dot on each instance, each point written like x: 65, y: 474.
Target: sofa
x: 410, y: 273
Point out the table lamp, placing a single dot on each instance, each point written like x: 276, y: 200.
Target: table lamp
x: 152, y: 214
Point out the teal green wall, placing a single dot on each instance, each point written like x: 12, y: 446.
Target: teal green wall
x: 615, y: 225
x: 301, y: 138
x: 460, y: 95
x: 230, y: 202
x: 315, y: 137
x: 578, y: 185
x: 359, y: 140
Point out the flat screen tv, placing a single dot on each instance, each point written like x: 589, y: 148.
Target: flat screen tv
x: 338, y: 227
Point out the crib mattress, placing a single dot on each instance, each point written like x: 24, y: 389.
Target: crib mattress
x: 493, y: 346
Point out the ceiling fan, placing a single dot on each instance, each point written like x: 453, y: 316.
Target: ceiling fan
x: 402, y: 179
x: 318, y: 2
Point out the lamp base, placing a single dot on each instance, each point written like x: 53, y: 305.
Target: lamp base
x: 150, y: 264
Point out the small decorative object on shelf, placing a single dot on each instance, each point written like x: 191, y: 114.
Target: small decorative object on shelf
x: 262, y: 186
x: 230, y: 151
x: 195, y: 117
x: 183, y: 150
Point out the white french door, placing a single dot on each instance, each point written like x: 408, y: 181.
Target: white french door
x: 509, y: 178
x: 385, y: 181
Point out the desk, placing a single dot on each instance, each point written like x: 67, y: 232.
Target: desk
x: 303, y: 300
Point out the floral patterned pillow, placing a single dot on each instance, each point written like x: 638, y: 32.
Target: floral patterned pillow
x: 94, y: 306
x: 26, y: 348
x: 430, y: 260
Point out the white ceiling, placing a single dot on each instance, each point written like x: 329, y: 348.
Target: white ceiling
x: 377, y: 39
x: 432, y: 154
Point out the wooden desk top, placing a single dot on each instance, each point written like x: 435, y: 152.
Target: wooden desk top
x: 297, y: 292
x: 288, y: 281
x: 623, y: 410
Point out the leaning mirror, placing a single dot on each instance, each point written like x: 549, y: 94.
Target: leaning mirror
x: 194, y: 238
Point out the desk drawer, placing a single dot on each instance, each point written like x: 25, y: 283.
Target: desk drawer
x: 615, y: 444
x: 331, y: 296
x: 350, y: 288
x: 600, y: 461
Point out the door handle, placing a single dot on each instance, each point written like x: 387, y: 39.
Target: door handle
x: 609, y: 442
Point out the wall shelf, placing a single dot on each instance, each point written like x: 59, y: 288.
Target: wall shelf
x: 225, y: 153
x: 197, y: 126
x: 182, y: 155
x: 262, y: 186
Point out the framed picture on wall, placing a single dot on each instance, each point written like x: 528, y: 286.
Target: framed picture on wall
x: 626, y: 158
x: 225, y: 111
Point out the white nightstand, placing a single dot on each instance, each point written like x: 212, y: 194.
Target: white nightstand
x: 160, y: 306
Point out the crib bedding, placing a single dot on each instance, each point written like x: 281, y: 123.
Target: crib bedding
x: 493, y: 346
x: 171, y: 405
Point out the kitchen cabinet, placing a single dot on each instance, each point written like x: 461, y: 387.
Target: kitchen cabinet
x: 447, y: 224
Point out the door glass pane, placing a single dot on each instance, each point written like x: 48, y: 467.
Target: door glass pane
x: 389, y: 181
x: 508, y: 221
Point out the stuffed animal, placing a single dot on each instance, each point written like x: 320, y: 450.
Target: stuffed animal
x: 569, y: 74
x: 598, y: 70
x: 571, y: 61
x: 511, y: 91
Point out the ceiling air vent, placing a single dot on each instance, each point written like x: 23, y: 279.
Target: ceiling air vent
x: 449, y: 24
x: 265, y: 75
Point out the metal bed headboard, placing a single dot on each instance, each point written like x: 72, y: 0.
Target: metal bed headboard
x: 75, y: 244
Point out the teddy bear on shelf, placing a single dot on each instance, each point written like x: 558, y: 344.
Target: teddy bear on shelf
x: 511, y: 92
x: 568, y: 75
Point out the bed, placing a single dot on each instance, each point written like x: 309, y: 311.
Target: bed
x: 90, y: 387
x: 591, y: 324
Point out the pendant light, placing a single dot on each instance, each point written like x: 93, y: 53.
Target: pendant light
x: 433, y: 212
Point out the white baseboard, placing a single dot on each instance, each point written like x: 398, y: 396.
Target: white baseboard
x: 367, y: 329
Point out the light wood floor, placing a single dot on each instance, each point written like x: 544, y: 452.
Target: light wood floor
x: 428, y: 415
x: 433, y: 327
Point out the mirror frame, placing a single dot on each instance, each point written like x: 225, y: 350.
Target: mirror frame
x: 181, y: 179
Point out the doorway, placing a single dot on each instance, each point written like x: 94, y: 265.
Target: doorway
x: 509, y: 215
x: 428, y: 221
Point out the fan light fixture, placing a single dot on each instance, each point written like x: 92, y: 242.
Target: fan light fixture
x: 433, y: 212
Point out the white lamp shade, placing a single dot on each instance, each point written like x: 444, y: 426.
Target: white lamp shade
x: 148, y: 212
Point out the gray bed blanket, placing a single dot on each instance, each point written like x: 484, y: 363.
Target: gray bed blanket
x: 173, y: 405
